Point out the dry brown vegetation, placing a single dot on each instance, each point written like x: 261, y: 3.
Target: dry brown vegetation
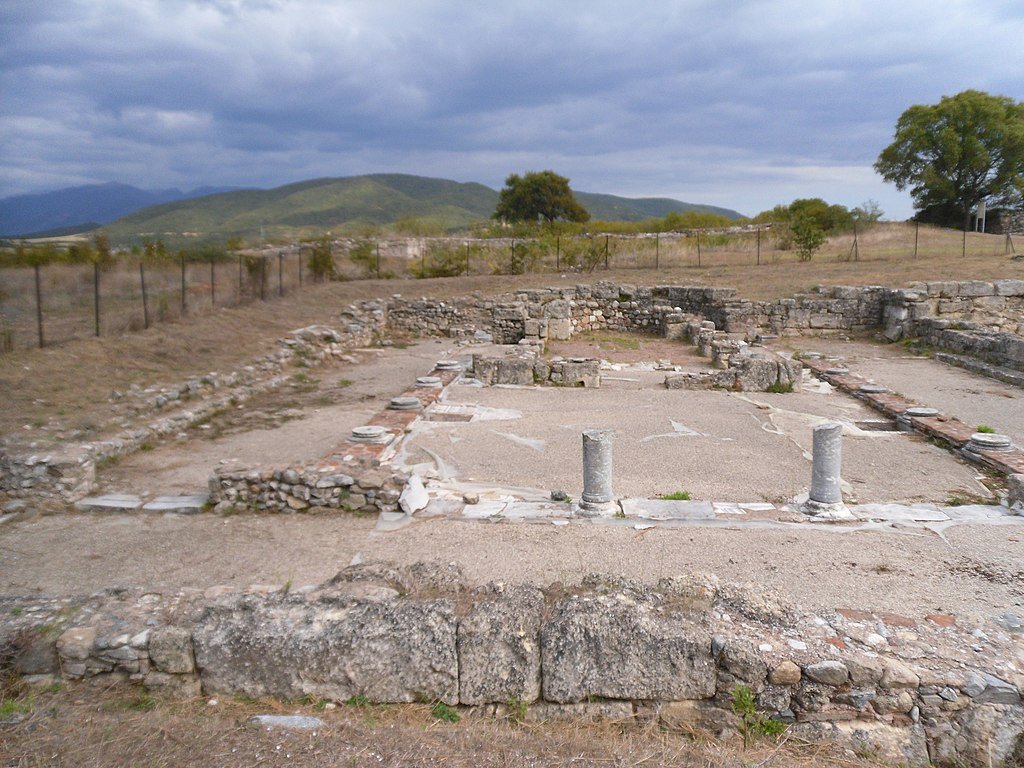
x: 75, y: 379
x: 88, y: 727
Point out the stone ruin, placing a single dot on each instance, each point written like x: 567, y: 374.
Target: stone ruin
x: 669, y: 653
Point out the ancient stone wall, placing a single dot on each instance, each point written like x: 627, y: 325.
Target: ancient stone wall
x: 67, y: 472
x: 905, y: 690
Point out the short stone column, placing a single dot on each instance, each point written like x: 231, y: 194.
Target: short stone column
x: 596, y: 499
x: 826, y: 497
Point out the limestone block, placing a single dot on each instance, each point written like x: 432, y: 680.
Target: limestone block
x: 173, y: 686
x: 514, y: 370
x: 76, y: 643
x: 743, y: 662
x: 499, y: 648
x: 329, y: 644
x: 828, y: 672
x: 975, y: 288
x: 688, y: 716
x: 586, y: 373
x: 1015, y: 497
x: 559, y: 328
x: 1009, y: 287
x: 902, y: 746
x: 619, y: 647
x: 485, y: 369
x: 170, y: 650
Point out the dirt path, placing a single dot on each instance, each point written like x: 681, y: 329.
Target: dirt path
x: 913, y: 573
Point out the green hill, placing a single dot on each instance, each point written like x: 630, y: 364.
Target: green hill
x: 614, y: 208
x: 348, y: 204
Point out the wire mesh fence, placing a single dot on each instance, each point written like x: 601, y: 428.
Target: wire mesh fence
x: 57, y: 302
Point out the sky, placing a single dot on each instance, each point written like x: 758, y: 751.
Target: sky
x: 738, y: 103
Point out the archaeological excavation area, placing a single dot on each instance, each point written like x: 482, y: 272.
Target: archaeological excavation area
x: 608, y: 501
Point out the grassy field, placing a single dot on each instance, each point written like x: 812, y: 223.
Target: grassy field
x: 73, y: 381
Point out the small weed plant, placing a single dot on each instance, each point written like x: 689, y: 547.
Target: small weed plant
x: 985, y: 429
x: 516, y: 709
x: 444, y: 713
x: 781, y: 387
x: 676, y: 496
x: 753, y: 725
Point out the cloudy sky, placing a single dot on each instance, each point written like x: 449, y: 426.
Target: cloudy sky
x: 739, y: 103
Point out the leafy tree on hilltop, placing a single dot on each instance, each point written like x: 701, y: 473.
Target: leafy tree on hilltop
x: 536, y: 195
x: 953, y: 155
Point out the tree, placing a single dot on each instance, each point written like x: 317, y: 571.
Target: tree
x: 808, y: 235
x: 955, y: 154
x: 538, y: 194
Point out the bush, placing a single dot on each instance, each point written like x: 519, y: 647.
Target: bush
x: 808, y: 236
x: 321, y: 261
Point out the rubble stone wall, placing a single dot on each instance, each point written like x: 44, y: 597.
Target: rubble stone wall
x: 904, y: 690
x: 67, y: 472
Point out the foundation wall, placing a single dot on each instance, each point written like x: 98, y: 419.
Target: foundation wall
x: 671, y: 653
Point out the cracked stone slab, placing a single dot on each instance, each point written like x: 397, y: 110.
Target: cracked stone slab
x: 662, y: 509
x: 181, y: 505
x: 111, y: 502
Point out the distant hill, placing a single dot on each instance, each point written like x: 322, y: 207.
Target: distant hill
x: 613, y: 208
x: 354, y: 201
x: 80, y: 209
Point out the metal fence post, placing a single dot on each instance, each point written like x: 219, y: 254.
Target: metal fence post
x: 280, y: 274
x: 759, y: 246
x: 96, y: 293
x: 698, y: 247
x: 213, y: 283
x: 39, y: 306
x: 145, y: 299
x: 183, y: 307
x: 917, y: 231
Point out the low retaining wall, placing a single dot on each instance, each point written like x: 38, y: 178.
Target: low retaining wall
x: 66, y: 473
x: 911, y: 691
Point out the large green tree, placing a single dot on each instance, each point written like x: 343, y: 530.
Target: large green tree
x: 539, y: 195
x: 955, y: 154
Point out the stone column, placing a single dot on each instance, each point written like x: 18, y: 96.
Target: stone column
x: 597, y: 472
x: 827, y: 464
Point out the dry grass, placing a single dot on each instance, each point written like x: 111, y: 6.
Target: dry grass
x: 88, y: 727
x: 74, y: 380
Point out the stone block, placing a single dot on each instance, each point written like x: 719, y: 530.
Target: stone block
x: 1009, y: 287
x: 619, y: 647
x: 499, y: 648
x: 170, y: 650
x: 559, y: 328
x: 331, y: 645
x: 1015, y: 495
x: 76, y: 643
x: 975, y: 288
x: 514, y: 370
x: 690, y: 716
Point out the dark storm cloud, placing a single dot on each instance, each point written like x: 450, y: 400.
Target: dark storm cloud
x: 737, y: 103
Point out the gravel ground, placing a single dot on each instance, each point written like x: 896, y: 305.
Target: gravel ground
x: 911, y: 573
x: 973, y: 399
x: 278, y: 428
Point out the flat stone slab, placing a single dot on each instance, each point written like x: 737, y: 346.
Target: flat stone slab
x: 111, y: 502
x: 181, y: 505
x: 922, y: 513
x: 288, y: 722
x: 662, y: 509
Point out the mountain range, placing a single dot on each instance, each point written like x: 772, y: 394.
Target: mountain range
x: 128, y: 213
x: 80, y: 209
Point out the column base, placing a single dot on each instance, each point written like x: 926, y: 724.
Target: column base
x: 821, y: 510
x: 595, y: 508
